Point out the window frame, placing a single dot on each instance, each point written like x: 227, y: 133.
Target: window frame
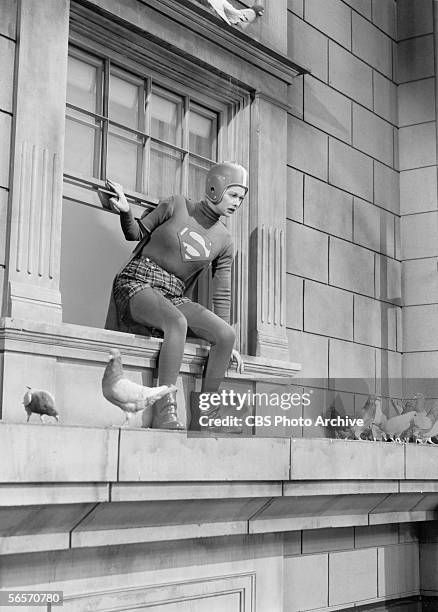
x: 191, y: 98
x: 142, y: 52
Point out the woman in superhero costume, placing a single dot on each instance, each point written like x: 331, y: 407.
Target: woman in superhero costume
x: 177, y: 241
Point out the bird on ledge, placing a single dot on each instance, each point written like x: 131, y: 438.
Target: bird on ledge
x: 128, y: 395
x: 233, y: 16
x: 37, y: 401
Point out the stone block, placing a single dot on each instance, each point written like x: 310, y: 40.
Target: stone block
x: 334, y: 20
x: 296, y: 6
x: 414, y: 18
x: 418, y: 190
x: 5, y: 149
x: 384, y: 16
x: 372, y: 45
x: 306, y: 46
x: 408, y: 532
x: 416, y: 102
x: 292, y: 543
x: 345, y: 460
x: 3, y: 215
x: 306, y: 582
x: 307, y: 252
x: 326, y: 540
x: 172, y: 456
x: 374, y: 323
x: 417, y: 146
x: 328, y: 209
x: 307, y: 148
x: 373, y: 135
x: 420, y: 328
x: 348, y: 360
x: 351, y: 267
x: 312, y: 352
x: 295, y: 96
x: 295, y: 195
x: 398, y: 570
x: 327, y: 109
x: 385, y: 97
x: 71, y: 454
x: 77, y: 380
x: 352, y: 576
x: 420, y: 281
x: 350, y: 169
x: 374, y: 228
x: 389, y: 381
x: 328, y: 311
x: 294, y: 303
x: 375, y: 535
x: 7, y: 54
x: 419, y: 235
x: 386, y: 187
x: 422, y: 365
x: 415, y: 59
x: 8, y: 18
x: 350, y: 75
x: 361, y: 6
x: 428, y: 565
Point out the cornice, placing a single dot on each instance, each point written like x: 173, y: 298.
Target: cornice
x: 195, y: 17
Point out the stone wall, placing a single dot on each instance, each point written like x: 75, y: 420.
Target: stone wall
x: 8, y: 11
x: 418, y: 187
x: 344, y: 290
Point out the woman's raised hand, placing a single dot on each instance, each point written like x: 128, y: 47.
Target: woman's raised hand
x: 119, y: 203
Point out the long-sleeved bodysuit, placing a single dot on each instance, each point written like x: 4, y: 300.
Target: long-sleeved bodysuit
x: 185, y: 237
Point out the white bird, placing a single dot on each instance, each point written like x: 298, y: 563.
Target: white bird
x: 37, y: 401
x: 234, y: 16
x: 397, y: 425
x: 128, y: 395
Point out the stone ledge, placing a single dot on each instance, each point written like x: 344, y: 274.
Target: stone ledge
x: 326, y: 459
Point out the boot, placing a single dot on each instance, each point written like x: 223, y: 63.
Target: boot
x: 214, y: 412
x: 164, y: 413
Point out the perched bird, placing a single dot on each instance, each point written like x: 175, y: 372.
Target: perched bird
x: 396, y: 426
x: 234, y: 16
x: 379, y: 422
x: 126, y: 394
x: 40, y: 402
x: 426, y: 436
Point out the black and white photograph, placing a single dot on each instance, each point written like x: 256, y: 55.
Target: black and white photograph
x: 219, y: 305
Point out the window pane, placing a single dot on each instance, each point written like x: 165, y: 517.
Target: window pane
x: 82, y: 84
x: 124, y: 102
x: 81, y: 141
x: 165, y: 171
x: 197, y: 174
x: 123, y: 160
x: 202, y: 135
x: 166, y: 119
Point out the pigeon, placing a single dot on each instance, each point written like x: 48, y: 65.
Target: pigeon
x: 425, y: 437
x: 234, y: 16
x: 398, y: 425
x: 40, y: 402
x: 128, y: 395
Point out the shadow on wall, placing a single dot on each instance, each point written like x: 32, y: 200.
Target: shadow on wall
x: 93, y: 250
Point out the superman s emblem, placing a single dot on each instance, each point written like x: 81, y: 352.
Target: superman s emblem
x: 194, y: 246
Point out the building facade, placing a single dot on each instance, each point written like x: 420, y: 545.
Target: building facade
x: 331, y: 105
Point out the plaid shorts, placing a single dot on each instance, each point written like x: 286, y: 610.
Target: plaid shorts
x: 140, y: 273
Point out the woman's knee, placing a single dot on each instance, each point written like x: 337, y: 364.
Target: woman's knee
x: 175, y: 322
x: 225, y: 336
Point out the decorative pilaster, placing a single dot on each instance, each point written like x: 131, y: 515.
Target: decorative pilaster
x: 268, y: 225
x: 33, y: 257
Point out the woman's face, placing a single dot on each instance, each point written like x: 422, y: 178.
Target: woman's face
x: 231, y: 200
